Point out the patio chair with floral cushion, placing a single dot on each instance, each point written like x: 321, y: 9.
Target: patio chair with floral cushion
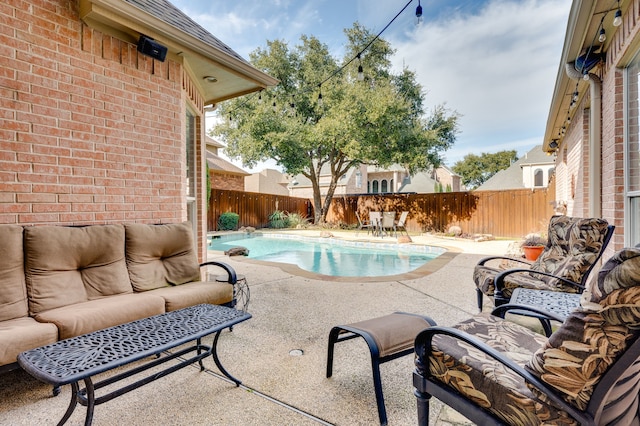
x: 587, y: 372
x: 574, y: 246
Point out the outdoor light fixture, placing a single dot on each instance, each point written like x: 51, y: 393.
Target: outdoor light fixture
x: 603, y: 35
x: 553, y: 144
x: 320, y: 102
x: 360, y: 70
x: 617, y: 20
x: 418, y: 13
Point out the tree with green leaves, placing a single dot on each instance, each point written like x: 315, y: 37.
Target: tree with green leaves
x: 376, y: 120
x: 477, y: 169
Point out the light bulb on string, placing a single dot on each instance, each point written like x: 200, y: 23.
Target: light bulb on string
x: 320, y: 101
x: 360, y: 70
x: 260, y: 97
x: 603, y: 35
x: 418, y: 14
x: 617, y: 20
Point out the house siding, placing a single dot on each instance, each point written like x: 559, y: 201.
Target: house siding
x: 92, y: 132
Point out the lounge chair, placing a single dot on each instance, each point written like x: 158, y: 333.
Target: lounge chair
x: 574, y: 246
x: 587, y: 372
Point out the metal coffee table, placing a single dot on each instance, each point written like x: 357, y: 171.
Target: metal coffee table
x: 80, y: 358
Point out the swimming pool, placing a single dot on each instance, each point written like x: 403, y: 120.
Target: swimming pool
x: 329, y: 256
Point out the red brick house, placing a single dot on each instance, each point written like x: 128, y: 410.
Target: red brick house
x: 96, y: 131
x: 593, y: 125
x: 222, y: 173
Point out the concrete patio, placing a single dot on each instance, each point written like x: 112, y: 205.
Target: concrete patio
x: 280, y: 355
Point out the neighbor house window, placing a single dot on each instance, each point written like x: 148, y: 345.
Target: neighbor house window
x: 374, y: 187
x: 538, y: 178
x: 383, y: 187
x: 632, y: 154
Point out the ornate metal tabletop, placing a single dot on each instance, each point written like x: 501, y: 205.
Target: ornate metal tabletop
x: 79, y: 358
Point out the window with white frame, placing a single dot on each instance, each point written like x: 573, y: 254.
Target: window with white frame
x: 190, y: 146
x: 632, y: 153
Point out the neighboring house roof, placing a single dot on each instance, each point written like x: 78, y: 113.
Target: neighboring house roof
x: 420, y: 183
x: 186, y: 41
x: 220, y: 165
x: 511, y: 177
x: 213, y: 144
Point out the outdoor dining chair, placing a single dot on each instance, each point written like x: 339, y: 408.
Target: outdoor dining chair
x: 587, y: 372
x: 364, y: 224
x: 375, y: 219
x: 388, y: 224
x: 574, y: 246
x: 400, y: 225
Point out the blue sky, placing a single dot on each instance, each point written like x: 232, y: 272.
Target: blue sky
x: 492, y: 61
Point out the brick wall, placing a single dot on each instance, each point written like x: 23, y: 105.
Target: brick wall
x: 91, y: 130
x: 227, y: 181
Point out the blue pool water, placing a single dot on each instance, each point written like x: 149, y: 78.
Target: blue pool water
x: 330, y: 256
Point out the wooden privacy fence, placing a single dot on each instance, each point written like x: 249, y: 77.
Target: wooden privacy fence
x: 254, y: 208
x: 512, y: 213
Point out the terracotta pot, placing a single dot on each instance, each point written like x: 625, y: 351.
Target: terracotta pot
x: 532, y: 252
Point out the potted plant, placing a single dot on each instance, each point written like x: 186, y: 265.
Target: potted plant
x: 532, y: 246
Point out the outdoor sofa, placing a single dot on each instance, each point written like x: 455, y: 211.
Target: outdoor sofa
x: 58, y: 282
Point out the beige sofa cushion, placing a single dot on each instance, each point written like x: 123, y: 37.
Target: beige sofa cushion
x: 182, y: 296
x: 13, y: 292
x: 68, y: 265
x: 22, y: 334
x: 160, y: 255
x: 97, y: 314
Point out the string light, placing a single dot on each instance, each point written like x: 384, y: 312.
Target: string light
x: 603, y: 35
x: 617, y: 20
x: 320, y: 102
x: 360, y: 75
x: 419, y: 14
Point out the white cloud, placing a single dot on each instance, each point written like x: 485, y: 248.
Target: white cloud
x: 497, y: 68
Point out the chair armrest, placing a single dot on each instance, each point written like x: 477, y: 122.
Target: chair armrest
x: 423, y: 348
x: 502, y: 310
x: 231, y: 273
x: 484, y: 260
x: 499, y: 280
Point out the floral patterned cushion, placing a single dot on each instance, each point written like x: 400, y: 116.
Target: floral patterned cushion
x: 591, y: 339
x: 573, y: 246
x: 485, y: 381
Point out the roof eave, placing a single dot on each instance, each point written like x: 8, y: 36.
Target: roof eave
x: 577, y: 25
x: 126, y: 19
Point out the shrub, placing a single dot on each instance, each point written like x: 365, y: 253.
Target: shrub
x: 279, y: 219
x: 296, y: 220
x: 228, y: 221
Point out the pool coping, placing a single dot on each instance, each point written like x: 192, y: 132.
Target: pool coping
x: 428, y: 268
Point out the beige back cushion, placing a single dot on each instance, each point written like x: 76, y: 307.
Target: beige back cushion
x: 161, y: 255
x: 13, y: 291
x: 67, y: 265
